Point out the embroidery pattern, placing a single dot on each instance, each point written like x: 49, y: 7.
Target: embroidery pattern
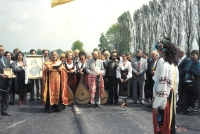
x: 163, y: 80
x: 162, y: 94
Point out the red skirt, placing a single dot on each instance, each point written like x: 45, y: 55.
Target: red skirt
x: 72, y: 82
x: 163, y: 127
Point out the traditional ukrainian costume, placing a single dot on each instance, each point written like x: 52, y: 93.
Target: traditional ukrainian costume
x: 164, y: 93
x: 124, y: 71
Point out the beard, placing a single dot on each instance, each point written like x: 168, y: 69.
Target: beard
x: 138, y: 57
x: 114, y: 59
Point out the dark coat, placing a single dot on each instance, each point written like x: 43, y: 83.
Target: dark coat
x: 4, y: 82
x: 184, y: 66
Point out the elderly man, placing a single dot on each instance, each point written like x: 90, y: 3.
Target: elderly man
x: 88, y: 56
x: 55, y: 88
x: 184, y: 64
x: 4, y: 83
x: 150, y: 72
x: 139, y: 66
x: 95, y: 69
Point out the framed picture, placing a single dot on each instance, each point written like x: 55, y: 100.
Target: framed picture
x: 34, y: 66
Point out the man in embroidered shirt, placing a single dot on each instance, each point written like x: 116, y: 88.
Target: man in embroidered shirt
x: 95, y: 69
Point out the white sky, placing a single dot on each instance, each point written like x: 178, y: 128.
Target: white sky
x: 27, y: 24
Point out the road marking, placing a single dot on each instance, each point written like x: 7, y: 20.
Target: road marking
x: 76, y: 109
x: 15, y: 124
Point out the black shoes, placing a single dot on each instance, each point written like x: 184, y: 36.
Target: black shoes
x: 93, y: 105
x: 11, y: 103
x: 98, y: 105
x: 142, y: 103
x: 149, y: 106
x: 5, y: 114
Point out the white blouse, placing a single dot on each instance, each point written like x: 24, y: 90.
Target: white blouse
x: 79, y: 65
x: 167, y: 79
x: 123, y: 67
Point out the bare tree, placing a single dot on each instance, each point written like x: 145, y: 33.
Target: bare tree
x: 197, y: 22
x: 137, y: 27
x: 178, y: 29
x: 168, y: 17
x: 145, y: 25
x: 155, y: 11
x: 188, y: 22
x: 126, y: 25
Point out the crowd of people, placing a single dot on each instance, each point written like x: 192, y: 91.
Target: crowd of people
x: 168, y: 80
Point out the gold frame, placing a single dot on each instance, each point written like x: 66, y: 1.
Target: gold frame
x: 33, y: 73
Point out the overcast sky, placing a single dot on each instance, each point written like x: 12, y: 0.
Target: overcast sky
x: 27, y: 24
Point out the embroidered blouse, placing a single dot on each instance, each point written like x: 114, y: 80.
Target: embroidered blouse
x: 70, y: 65
x: 168, y: 75
x: 123, y: 66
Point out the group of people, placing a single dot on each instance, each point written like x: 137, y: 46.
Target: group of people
x: 157, y: 79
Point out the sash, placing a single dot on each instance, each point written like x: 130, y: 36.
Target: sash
x: 173, y: 99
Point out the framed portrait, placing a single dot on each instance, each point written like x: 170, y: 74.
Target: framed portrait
x: 34, y: 66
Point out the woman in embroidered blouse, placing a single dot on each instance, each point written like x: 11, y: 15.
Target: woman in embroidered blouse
x: 20, y: 69
x: 71, y: 71
x: 124, y: 73
x: 164, y: 91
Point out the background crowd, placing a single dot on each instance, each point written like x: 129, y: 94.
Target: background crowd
x: 124, y: 76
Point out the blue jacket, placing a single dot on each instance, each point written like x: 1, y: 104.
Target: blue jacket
x: 184, y: 67
x: 195, y: 69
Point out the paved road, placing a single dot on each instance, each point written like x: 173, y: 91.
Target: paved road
x: 82, y: 119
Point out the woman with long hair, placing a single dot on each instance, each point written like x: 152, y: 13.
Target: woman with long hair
x: 20, y: 69
x: 164, y: 91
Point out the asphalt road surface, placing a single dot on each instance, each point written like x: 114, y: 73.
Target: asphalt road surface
x: 82, y: 119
